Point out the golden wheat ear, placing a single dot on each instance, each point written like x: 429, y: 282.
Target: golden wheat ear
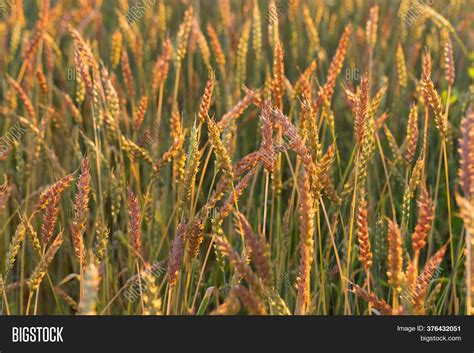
x: 231, y: 306
x: 191, y: 168
x: 379, y: 304
x: 360, y: 121
x: 466, y: 203
x: 259, y: 249
x: 161, y: 66
x: 81, y: 210
x: 134, y: 223
x: 176, y: 253
x: 412, y: 134
x: 194, y: 238
x: 250, y: 301
x: 432, y: 97
x: 239, y: 264
x: 395, y: 256
x: 14, y: 247
x: 216, y: 46
x: 401, y: 66
x: 183, y: 35
x: 48, y: 202
x: 278, y: 75
x: 140, y: 114
x: 372, y: 26
x: 206, y: 101
x: 425, y: 218
x: 448, y: 61
x: 365, y: 253
x: 467, y: 213
x: 306, y: 219
x: 466, y: 151
x: 430, y: 272
x: 40, y: 271
x: 88, y: 304
x: 220, y: 151
x: 327, y: 91
x: 25, y: 99
x: 236, y: 193
x: 202, y: 44
x: 5, y: 191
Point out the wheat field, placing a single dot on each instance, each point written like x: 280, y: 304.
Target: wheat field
x: 201, y: 157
